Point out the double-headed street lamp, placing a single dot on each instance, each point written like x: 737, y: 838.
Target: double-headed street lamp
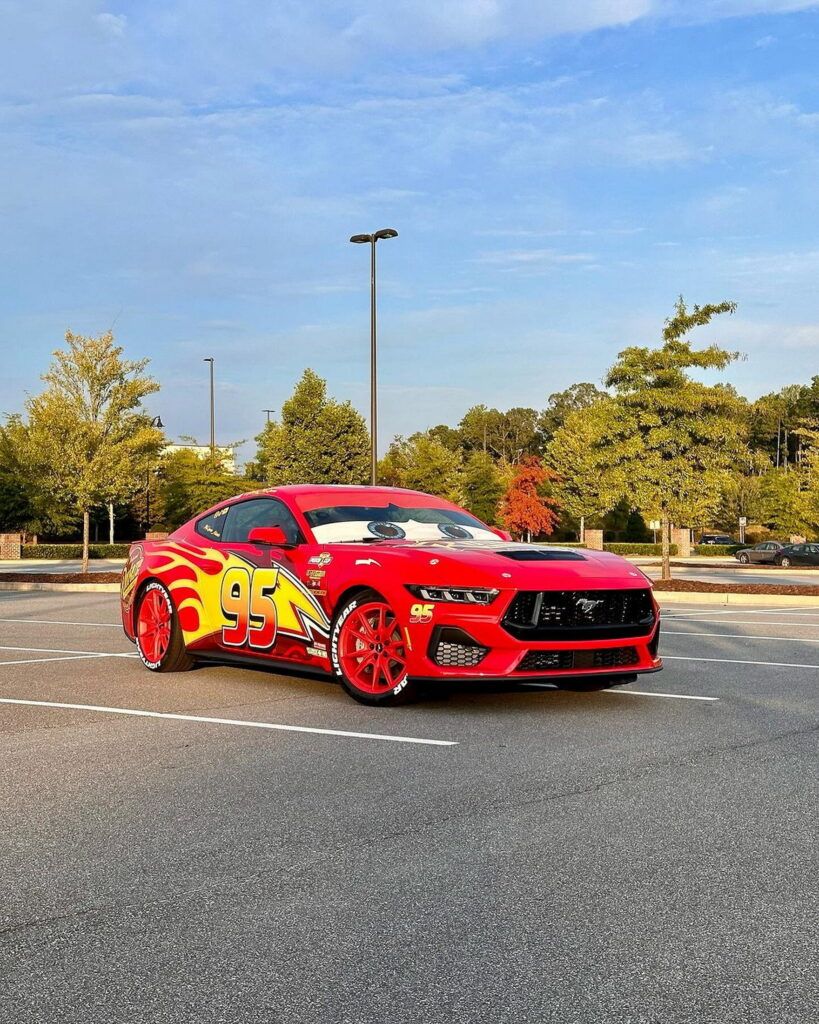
x: 372, y: 239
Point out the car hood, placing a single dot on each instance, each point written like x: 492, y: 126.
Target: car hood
x: 501, y: 564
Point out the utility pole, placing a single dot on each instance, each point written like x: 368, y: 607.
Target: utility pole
x: 209, y: 359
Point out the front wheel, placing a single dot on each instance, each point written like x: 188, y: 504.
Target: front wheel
x: 159, y: 639
x: 369, y: 651
x: 785, y: 562
x: 744, y: 559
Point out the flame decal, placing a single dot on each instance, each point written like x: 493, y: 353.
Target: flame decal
x: 194, y: 575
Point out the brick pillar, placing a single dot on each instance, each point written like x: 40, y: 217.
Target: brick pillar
x: 681, y: 536
x: 10, y: 545
x: 594, y: 540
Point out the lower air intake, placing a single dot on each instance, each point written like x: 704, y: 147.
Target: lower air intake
x: 551, y: 661
x: 454, y: 648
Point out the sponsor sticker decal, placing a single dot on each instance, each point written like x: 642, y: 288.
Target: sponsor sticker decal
x: 316, y: 574
x: 323, y: 559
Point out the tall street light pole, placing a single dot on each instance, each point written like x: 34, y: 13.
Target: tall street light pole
x: 209, y: 359
x: 372, y: 239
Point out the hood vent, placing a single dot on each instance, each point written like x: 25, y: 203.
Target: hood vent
x: 542, y: 555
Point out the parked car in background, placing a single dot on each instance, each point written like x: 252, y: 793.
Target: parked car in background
x: 797, y: 554
x: 716, y: 538
x: 765, y: 552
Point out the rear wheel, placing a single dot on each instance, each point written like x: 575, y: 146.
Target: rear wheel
x: 369, y: 652
x: 159, y: 639
x: 785, y: 562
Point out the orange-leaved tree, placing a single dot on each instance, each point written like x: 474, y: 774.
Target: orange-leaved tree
x: 525, y: 511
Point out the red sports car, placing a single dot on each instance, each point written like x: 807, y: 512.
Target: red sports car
x: 385, y: 588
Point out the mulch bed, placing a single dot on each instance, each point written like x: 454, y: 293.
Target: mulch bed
x: 701, y: 587
x: 59, y: 577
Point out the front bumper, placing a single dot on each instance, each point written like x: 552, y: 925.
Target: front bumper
x: 496, y: 654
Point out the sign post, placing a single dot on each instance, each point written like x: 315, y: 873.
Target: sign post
x: 743, y: 522
x: 654, y: 526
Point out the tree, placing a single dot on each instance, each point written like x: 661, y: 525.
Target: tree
x: 88, y: 440
x: 505, y: 435
x: 784, y: 505
x: 422, y: 463
x: 563, y: 403
x: 587, y: 484
x: 677, y: 438
x: 525, y: 510
x: 318, y: 440
x: 187, y: 483
x: 483, y: 487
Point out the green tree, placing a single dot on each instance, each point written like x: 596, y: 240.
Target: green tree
x: 587, y: 485
x: 422, y: 463
x: 677, y: 437
x: 563, y: 403
x: 784, y: 504
x: 483, y: 487
x: 88, y: 441
x: 187, y: 483
x: 507, y: 436
x: 318, y: 440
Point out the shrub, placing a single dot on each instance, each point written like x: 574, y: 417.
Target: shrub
x: 717, y: 549
x: 74, y: 551
x: 638, y: 549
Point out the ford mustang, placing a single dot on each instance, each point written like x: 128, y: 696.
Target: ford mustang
x: 385, y: 589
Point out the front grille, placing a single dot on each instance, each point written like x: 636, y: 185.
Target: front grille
x: 454, y: 648
x: 550, y: 661
x: 579, y: 614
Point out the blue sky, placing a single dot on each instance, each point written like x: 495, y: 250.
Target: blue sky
x: 189, y: 171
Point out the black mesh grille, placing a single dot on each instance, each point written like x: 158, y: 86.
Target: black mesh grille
x: 458, y: 655
x: 454, y: 648
x: 579, y: 614
x: 550, y: 661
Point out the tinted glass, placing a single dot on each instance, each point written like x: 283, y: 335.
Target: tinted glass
x: 350, y: 523
x: 245, y: 515
x: 213, y: 526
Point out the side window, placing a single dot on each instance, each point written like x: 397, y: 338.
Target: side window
x: 261, y: 512
x: 214, y: 526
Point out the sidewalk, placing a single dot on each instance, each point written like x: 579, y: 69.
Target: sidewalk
x: 27, y: 565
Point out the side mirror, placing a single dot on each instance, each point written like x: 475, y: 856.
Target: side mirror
x: 272, y: 535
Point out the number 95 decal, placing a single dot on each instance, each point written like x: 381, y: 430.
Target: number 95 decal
x: 249, y: 608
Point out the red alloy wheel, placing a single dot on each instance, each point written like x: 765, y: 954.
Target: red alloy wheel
x: 154, y: 626
x: 371, y: 649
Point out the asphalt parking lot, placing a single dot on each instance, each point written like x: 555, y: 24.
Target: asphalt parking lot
x: 639, y: 854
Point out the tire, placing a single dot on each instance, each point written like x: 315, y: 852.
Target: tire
x: 593, y: 683
x: 744, y: 559
x: 368, y: 652
x: 785, y: 562
x: 159, y: 639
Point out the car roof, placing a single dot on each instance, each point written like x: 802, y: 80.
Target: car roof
x: 307, y: 496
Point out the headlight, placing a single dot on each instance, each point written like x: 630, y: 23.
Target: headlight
x: 454, y: 595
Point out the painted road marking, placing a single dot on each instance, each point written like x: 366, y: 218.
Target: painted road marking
x: 737, y: 661
x: 64, y: 657
x: 228, y: 721
x: 54, y: 650
x: 59, y: 622
x: 742, y: 636
x: 645, y: 693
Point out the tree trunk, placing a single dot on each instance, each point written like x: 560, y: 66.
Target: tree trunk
x: 86, y: 517
x: 665, y: 528
x: 582, y: 529
x: 110, y: 523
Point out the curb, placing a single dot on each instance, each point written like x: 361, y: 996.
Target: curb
x: 66, y: 588
x: 717, y: 598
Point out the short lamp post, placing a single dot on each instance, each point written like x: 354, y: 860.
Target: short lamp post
x: 371, y: 240
x: 155, y: 422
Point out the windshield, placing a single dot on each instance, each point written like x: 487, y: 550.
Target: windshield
x: 344, y: 523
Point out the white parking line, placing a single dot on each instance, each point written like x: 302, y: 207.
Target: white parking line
x: 228, y: 721
x: 59, y: 622
x: 737, y: 661
x: 673, y: 696
x: 55, y: 650
x: 64, y: 657
x: 742, y: 636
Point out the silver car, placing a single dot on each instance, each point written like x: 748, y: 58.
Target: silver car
x: 764, y: 552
